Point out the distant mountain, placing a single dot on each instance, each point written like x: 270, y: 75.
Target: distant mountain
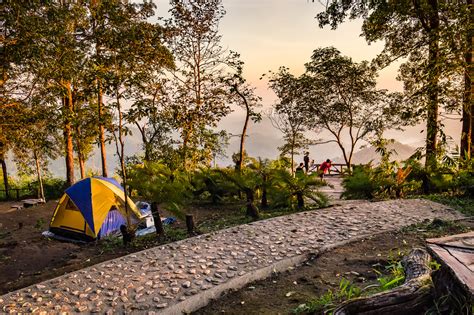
x: 364, y: 156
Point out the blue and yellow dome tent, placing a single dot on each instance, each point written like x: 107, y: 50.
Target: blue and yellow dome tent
x: 92, y: 208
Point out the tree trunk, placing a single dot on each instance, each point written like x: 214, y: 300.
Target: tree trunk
x: 160, y: 231
x: 292, y: 162
x: 190, y: 224
x: 120, y: 153
x: 69, y: 148
x: 433, y: 76
x: 252, y: 210
x: 300, y: 200
x: 244, y: 129
x: 467, y: 149
x: 264, y: 195
x: 82, y: 167
x: 40, y: 178
x: 5, y: 175
x: 413, y: 297
x: 80, y: 156
x: 103, y: 154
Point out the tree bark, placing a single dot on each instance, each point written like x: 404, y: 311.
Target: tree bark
x: 103, y: 154
x: 413, y: 297
x: 160, y: 231
x: 467, y: 149
x: 252, y: 210
x: 433, y: 77
x: 190, y: 224
x: 40, y: 178
x: 80, y: 155
x: 5, y: 175
x: 264, y: 193
x: 244, y: 129
x: 122, y: 158
x: 69, y: 148
x: 300, y: 200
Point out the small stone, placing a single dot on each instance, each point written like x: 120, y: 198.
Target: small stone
x: 186, y: 284
x: 191, y: 292
x: 81, y: 308
x: 162, y: 305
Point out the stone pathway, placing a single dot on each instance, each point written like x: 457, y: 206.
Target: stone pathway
x: 334, y: 192
x: 183, y: 276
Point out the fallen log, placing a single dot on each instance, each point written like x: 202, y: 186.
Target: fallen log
x: 412, y: 297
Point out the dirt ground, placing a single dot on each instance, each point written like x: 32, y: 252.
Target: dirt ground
x: 26, y: 257
x: 356, y: 262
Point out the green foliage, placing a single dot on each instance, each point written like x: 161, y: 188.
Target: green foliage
x: 210, y: 184
x: 329, y: 300
x: 291, y: 191
x: 388, y: 180
x: 395, y: 277
x: 53, y: 187
x: 157, y: 183
x: 360, y: 185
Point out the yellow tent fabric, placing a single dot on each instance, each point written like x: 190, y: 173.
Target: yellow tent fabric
x: 82, y: 209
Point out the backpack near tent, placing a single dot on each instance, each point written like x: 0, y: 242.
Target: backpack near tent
x: 92, y: 208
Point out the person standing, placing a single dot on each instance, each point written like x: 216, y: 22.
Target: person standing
x: 306, y: 162
x: 299, y: 170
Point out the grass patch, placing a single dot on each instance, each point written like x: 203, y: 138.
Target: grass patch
x: 329, y: 300
x: 462, y: 204
x: 437, y: 228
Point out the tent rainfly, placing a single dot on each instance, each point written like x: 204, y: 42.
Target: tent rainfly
x: 92, y: 208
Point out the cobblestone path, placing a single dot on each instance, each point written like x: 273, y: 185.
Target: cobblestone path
x: 182, y: 276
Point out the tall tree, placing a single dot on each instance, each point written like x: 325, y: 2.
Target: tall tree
x: 467, y: 147
x: 150, y: 114
x: 286, y: 114
x: 340, y: 96
x: 243, y: 95
x: 200, y: 98
x: 133, y: 46
x: 426, y: 33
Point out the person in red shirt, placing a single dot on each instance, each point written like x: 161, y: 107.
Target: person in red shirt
x: 325, y: 168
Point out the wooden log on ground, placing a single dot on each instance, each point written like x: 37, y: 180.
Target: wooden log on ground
x: 412, y: 297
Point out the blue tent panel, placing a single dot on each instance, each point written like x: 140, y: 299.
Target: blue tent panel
x: 112, y: 223
x: 80, y: 194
